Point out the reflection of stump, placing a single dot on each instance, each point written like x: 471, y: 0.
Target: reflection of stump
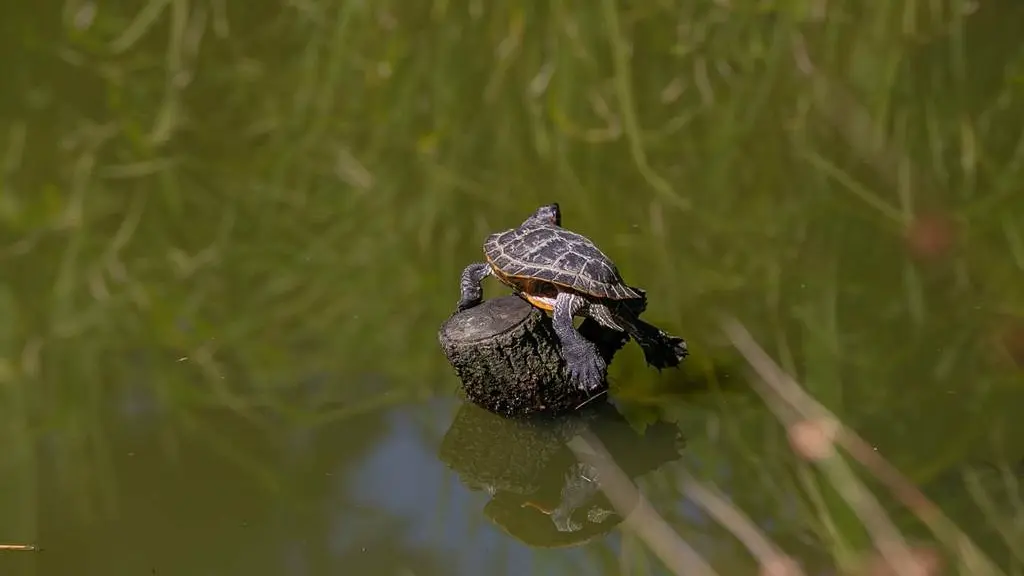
x: 508, y: 357
x: 493, y: 453
x: 534, y: 478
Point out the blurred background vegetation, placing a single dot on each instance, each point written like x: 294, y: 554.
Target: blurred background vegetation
x: 231, y: 230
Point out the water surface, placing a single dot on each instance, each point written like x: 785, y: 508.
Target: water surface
x: 228, y: 238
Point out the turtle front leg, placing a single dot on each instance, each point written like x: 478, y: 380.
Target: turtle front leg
x: 471, y: 290
x: 586, y: 367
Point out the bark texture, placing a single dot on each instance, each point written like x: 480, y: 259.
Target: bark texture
x: 508, y: 357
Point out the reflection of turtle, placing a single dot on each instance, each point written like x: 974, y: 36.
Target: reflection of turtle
x: 564, y: 272
x: 533, y: 524
x: 581, y: 484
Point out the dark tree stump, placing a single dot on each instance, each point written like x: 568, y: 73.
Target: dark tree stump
x: 508, y: 357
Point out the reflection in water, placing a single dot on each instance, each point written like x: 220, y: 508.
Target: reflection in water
x: 539, y: 492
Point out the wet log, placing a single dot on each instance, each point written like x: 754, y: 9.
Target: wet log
x: 508, y: 357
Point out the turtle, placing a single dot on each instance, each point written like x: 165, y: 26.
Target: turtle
x: 566, y: 274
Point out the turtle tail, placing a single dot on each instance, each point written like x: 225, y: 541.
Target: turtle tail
x: 661, y: 350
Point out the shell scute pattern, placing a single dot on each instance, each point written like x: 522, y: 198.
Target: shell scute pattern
x: 553, y: 254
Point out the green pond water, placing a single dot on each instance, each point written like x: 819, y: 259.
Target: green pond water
x: 229, y: 233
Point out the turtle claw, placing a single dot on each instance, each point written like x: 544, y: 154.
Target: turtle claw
x: 586, y: 367
x: 464, y: 305
x: 664, y: 351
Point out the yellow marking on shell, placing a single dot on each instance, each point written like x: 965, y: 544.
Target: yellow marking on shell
x: 541, y: 302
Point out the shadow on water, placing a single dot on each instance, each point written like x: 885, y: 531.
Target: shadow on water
x: 229, y: 232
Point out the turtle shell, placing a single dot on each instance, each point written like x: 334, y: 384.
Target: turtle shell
x: 551, y: 254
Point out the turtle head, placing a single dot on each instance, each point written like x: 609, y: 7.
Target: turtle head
x: 546, y: 215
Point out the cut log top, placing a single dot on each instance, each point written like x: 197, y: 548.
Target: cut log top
x: 486, y: 320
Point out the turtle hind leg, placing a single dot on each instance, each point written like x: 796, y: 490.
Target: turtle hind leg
x: 601, y: 327
x: 470, y: 290
x: 661, y: 350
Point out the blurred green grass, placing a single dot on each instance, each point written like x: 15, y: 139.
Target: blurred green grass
x: 285, y: 189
